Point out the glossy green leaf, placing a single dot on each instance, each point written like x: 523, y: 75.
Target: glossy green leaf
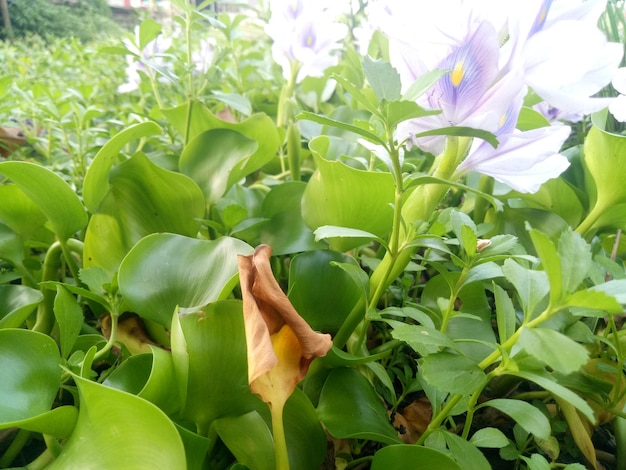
x: 462, y: 132
x: 383, y: 78
x: 216, y: 159
x: 16, y: 304
x: 143, y: 199
x: 491, y: 438
x: 604, y: 158
x: 196, y: 448
x: 19, y: 212
x: 249, y: 439
x: 98, y: 443
x: 595, y: 300
x: 411, y: 457
x: 31, y: 374
x: 209, y: 352
x: 96, y: 183
x: 526, y: 415
x: 58, y: 422
x: 149, y: 376
x: 285, y: 231
x: 322, y: 292
x: 350, y: 408
x: 163, y: 271
x: 306, y: 439
x: 399, y: 111
x: 258, y: 127
x: 615, y: 288
x: 50, y: 193
x: 342, y: 196
x: 464, y: 453
x: 554, y: 349
x: 452, y: 373
x: 11, y: 246
x: 69, y: 316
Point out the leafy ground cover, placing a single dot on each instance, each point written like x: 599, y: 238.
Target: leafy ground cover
x: 249, y: 241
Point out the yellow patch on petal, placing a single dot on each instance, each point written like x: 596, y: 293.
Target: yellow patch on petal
x: 277, y: 384
x: 542, y: 15
x: 458, y: 73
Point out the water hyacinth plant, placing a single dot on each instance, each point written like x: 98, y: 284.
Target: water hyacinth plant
x: 249, y: 240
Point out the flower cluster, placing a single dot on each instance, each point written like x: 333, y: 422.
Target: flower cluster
x: 304, y: 35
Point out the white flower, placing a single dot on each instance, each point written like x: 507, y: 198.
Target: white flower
x: 565, y: 57
x: 305, y: 36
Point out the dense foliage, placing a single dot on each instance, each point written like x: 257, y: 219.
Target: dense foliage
x: 226, y: 244
x: 83, y: 19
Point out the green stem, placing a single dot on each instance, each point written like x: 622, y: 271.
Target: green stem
x: 16, y: 446
x: 51, y: 265
x: 280, y: 443
x: 485, y: 185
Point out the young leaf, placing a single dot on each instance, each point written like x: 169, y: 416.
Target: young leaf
x: 505, y: 313
x: 422, y: 84
x: 575, y: 255
x: 452, y: 373
x: 524, y: 414
x: 554, y: 349
x: 491, y: 438
x: 70, y: 318
x: 384, y: 79
x: 371, y: 137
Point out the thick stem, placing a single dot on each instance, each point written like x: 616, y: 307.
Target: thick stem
x: 278, y: 430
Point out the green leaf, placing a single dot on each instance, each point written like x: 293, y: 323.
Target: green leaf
x: 217, y: 159
x: 50, y: 193
x: 306, y: 439
x: 530, y: 119
x: 531, y: 285
x: 554, y: 349
x: 149, y: 376
x: 19, y: 212
x: 210, y: 363
x: 356, y: 94
x: 384, y: 79
x: 258, y: 127
x: 318, y: 118
x: 237, y: 102
x: 31, y: 374
x: 411, y: 457
x: 148, y: 32
x: 423, y: 339
x: 350, y: 408
x: 464, y: 452
x: 423, y: 84
x: 505, y: 313
x: 604, y: 158
x: 249, y: 439
x: 16, y: 304
x: 332, y: 231
x: 452, y: 373
x: 143, y: 199
x: 549, y: 383
x: 96, y: 183
x: 615, y: 288
x: 285, y: 231
x: 98, y: 441
x: 491, y: 438
x: 69, y: 316
x: 343, y: 196
x: 315, y: 272
x: 460, y: 131
x: 163, y: 271
x: 575, y: 257
x: 399, y: 111
x: 524, y: 414
x: 594, y: 299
